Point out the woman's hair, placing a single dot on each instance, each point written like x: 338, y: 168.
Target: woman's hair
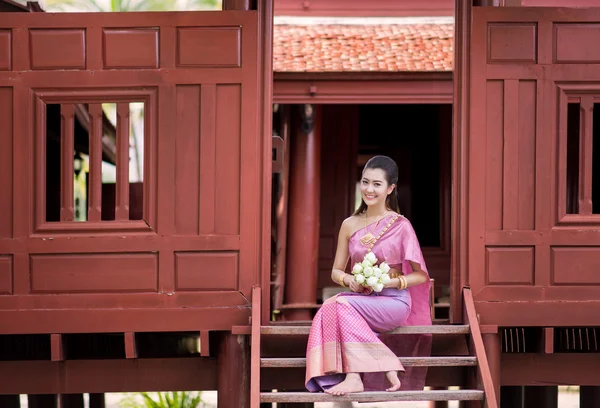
x: 390, y: 168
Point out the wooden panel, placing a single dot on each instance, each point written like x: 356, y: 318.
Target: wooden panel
x: 228, y: 158
x: 46, y: 55
x: 5, y: 54
x: 130, y: 48
x: 576, y: 43
x: 509, y: 266
x: 209, y: 47
x: 6, y: 272
x: 208, y: 130
x: 526, y: 157
x: 206, y: 271
x: 575, y: 266
x: 6, y: 162
x: 512, y: 42
x: 187, y: 165
x: 494, y: 160
x: 66, y: 273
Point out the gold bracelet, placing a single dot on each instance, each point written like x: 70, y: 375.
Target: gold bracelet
x: 402, y: 284
x: 341, y: 281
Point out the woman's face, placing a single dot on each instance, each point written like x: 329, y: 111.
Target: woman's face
x: 374, y: 187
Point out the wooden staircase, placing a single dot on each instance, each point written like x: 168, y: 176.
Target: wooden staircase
x: 478, y: 386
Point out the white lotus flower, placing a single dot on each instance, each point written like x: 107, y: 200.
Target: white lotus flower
x: 371, y: 258
x: 358, y: 268
x: 385, y: 278
x: 366, y: 263
x: 385, y: 268
x: 377, y: 272
x: 359, y: 279
x: 372, y: 281
x: 368, y: 271
x: 378, y: 287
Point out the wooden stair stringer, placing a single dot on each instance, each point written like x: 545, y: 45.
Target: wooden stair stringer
x: 484, y: 376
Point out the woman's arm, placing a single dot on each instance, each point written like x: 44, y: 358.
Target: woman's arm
x: 416, y: 277
x: 338, y: 275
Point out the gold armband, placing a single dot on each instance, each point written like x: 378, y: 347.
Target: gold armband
x: 341, y: 281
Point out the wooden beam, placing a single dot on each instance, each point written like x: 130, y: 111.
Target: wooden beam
x: 550, y: 369
x: 100, y: 376
x: 349, y: 90
x: 118, y: 320
x: 539, y: 313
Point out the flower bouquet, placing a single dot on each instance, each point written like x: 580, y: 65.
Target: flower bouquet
x: 368, y: 274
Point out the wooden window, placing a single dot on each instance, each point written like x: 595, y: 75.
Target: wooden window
x: 94, y: 156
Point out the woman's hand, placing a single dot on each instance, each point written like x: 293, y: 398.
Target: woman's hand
x: 356, y: 287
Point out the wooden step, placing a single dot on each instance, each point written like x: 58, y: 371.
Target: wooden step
x: 437, y: 395
x: 304, y: 330
x: 406, y: 361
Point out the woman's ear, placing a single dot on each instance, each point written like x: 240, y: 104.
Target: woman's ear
x: 391, y: 189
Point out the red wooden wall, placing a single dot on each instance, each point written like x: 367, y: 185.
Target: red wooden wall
x: 198, y: 245
x: 531, y: 259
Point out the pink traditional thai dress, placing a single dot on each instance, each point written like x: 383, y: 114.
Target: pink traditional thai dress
x: 348, y: 331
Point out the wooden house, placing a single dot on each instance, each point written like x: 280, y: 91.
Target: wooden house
x: 257, y: 120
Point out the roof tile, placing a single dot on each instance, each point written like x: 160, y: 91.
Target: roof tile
x: 360, y: 48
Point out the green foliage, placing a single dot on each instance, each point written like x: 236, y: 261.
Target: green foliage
x: 182, y: 399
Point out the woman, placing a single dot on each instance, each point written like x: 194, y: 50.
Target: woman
x: 347, y: 351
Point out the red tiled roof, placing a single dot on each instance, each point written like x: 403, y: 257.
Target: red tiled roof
x: 359, y: 48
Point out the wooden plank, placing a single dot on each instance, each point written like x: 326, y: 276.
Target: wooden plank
x: 585, y: 154
x: 95, y: 177
x: 122, y: 198
x: 477, y: 348
x: 466, y: 361
x: 205, y: 343
x: 67, y: 151
x: 130, y: 348
x: 304, y: 330
x: 255, y: 398
x: 442, y: 395
x: 57, y: 352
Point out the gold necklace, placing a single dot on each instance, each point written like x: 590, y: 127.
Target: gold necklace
x: 369, y: 238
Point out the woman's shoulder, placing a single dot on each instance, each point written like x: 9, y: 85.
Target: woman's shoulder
x: 352, y: 223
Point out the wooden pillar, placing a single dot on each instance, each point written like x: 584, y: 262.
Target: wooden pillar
x: 10, y: 401
x: 511, y: 397
x: 541, y: 396
x: 589, y: 397
x: 42, y: 401
x: 493, y: 349
x: 233, y: 386
x: 97, y: 401
x: 303, y: 221
x: 71, y: 401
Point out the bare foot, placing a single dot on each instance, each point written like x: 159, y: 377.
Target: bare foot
x: 352, y: 383
x: 392, y: 377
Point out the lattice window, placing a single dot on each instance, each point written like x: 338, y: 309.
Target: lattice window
x: 93, y: 155
x: 578, y: 154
